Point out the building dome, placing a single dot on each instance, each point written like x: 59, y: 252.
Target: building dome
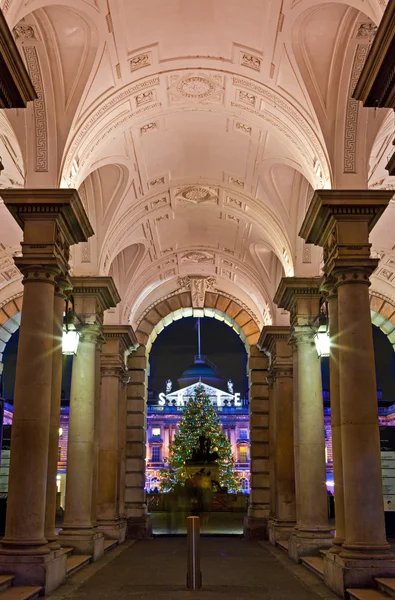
x: 201, y: 370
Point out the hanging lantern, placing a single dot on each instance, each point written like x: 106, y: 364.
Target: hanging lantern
x: 70, y: 341
x: 322, y: 341
x: 70, y: 336
x: 321, y: 338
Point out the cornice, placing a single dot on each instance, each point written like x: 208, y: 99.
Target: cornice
x: 16, y: 88
x: 326, y: 205
x: 271, y: 333
x: 292, y: 288
x: 124, y: 333
x: 26, y: 204
x: 102, y: 287
x: 376, y: 84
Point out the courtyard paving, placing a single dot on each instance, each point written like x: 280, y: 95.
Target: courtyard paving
x: 232, y: 568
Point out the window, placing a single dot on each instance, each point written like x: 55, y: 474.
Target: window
x: 155, y: 454
x: 154, y: 484
x: 243, y: 434
x: 244, y: 484
x: 156, y: 432
x: 243, y: 454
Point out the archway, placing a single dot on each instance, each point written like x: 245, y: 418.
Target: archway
x: 189, y: 352
x: 148, y: 326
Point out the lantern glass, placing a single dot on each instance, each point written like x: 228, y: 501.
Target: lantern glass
x: 70, y: 341
x: 322, y: 342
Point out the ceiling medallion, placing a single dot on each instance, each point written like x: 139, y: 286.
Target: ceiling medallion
x: 195, y: 87
x: 197, y: 194
x: 195, y: 256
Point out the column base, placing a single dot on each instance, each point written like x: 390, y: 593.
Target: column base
x: 139, y: 528
x: 279, y: 530
x: 113, y: 530
x: 83, y: 541
x: 343, y: 573
x: 255, y: 528
x: 308, y: 543
x: 45, y: 570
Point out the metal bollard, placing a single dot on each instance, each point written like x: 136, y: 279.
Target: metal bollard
x: 194, y: 575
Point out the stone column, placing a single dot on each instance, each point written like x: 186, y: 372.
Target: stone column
x: 275, y: 341
x: 336, y: 416
x: 340, y: 222
x: 301, y: 296
x: 122, y: 445
x: 92, y: 295
x: 255, y: 524
x: 95, y: 469
x: 53, y: 450
x: 51, y: 220
x: 118, y: 340
x: 138, y: 522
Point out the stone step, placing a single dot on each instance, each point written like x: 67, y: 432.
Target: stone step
x: 386, y: 585
x: 6, y: 581
x: 366, y: 594
x: 21, y: 592
x: 109, y: 544
x: 68, y: 551
x: 323, y: 552
x: 283, y: 545
x: 315, y: 564
x: 75, y: 562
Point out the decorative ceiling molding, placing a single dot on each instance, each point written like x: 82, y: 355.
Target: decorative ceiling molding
x: 197, y: 194
x: 351, y: 124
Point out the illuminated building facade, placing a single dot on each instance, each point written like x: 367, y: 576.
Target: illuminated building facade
x: 165, y: 411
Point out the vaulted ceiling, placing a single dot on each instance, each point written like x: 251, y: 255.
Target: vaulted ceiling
x: 195, y: 133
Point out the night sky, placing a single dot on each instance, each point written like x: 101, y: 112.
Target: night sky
x: 175, y: 347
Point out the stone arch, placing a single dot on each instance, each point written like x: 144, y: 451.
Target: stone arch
x: 216, y: 305
x: 382, y: 311
x: 10, y: 319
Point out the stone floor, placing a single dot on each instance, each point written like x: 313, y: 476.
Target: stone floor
x: 232, y: 569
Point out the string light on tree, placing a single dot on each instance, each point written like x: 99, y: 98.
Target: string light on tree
x: 199, y: 419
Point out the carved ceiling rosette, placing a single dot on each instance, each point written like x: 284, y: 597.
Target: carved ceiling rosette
x: 197, y: 194
x: 196, y: 87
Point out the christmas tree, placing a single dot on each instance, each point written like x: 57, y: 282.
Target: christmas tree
x: 199, y: 419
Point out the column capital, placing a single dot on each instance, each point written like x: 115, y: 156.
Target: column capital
x: 119, y: 340
x: 52, y: 220
x: 123, y: 335
x: 340, y: 222
x: 92, y: 296
x: 274, y: 340
x: 301, y: 297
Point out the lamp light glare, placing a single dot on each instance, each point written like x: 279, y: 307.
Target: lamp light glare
x: 70, y: 341
x: 322, y: 343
